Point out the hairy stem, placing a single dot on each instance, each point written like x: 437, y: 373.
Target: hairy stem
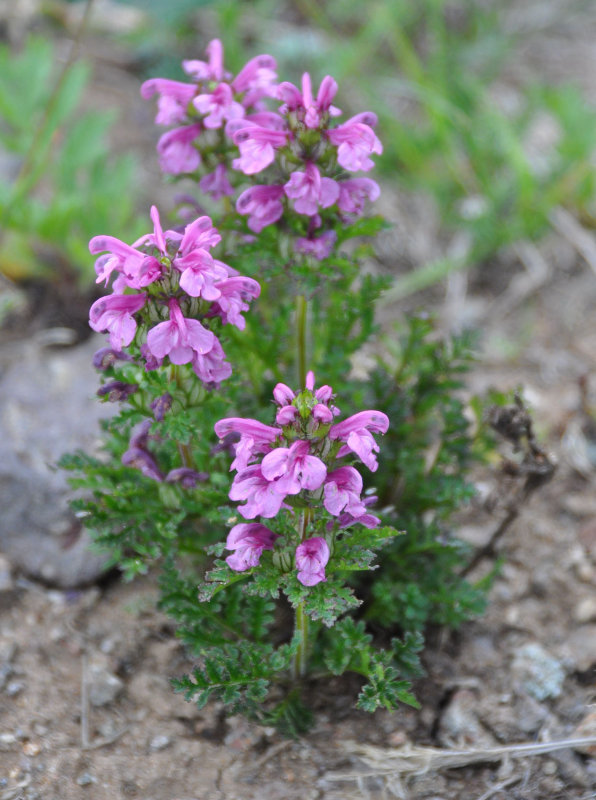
x: 301, y: 657
x: 301, y: 324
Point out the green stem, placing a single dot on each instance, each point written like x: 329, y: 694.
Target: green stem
x: 301, y: 657
x: 301, y: 318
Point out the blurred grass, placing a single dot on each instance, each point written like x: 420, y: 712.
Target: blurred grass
x: 437, y: 73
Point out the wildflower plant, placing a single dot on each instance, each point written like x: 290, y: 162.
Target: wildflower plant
x: 209, y: 323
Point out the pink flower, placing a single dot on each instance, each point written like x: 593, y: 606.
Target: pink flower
x: 309, y: 190
x: 354, y: 192
x: 283, y: 395
x: 260, y: 495
x: 248, y: 540
x: 312, y: 112
x: 212, y: 367
x: 311, y: 558
x: 257, y: 148
x: 115, y: 314
x: 342, y: 492
x: 355, y: 141
x: 256, y: 78
x: 200, y: 273
x: 216, y: 183
x: 263, y: 204
x: 218, y: 106
x: 320, y: 247
x: 254, y: 438
x: 199, y: 234
x: 177, y: 154
x: 211, y: 71
x: 173, y: 101
x: 293, y: 469
x: 180, y: 338
x: 234, y: 296
x: 356, y: 433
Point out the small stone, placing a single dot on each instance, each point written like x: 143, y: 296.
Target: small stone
x: 14, y: 688
x: 31, y: 749
x: 103, y: 686
x: 7, y: 739
x: 538, y: 672
x: 159, y: 742
x: 460, y: 726
x: 6, y: 581
x: 585, y: 610
x: 580, y: 647
x: 585, y: 730
x: 86, y: 779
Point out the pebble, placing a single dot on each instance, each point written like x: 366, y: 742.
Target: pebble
x: 159, y: 742
x: 103, y: 685
x: 580, y: 647
x: 31, y: 749
x: 86, y: 779
x: 14, y: 688
x: 460, y: 726
x: 585, y: 730
x: 538, y: 672
x: 585, y: 610
x: 6, y: 581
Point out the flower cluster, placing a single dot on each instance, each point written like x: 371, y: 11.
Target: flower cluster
x: 167, y: 287
x: 294, y: 464
x: 310, y: 159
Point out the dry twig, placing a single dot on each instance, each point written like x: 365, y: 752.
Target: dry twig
x: 411, y: 760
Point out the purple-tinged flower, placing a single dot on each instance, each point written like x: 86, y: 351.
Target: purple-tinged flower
x: 356, y: 141
x: 282, y: 394
x: 346, y: 519
x: 309, y: 190
x: 139, y: 436
x: 354, y: 192
x: 151, y: 362
x: 263, y: 204
x: 261, y: 498
x: 293, y: 469
x: 355, y: 431
x: 319, y: 247
x: 216, y: 183
x: 256, y: 78
x: 248, y: 540
x: 106, y: 357
x: 254, y: 438
x: 286, y: 415
x: 179, y: 338
x: 213, y: 70
x: 257, y: 147
x: 174, y: 97
x: 199, y: 234
x: 176, y: 150
x: 342, y: 491
x: 234, y: 296
x: 117, y: 391
x: 200, y: 273
x: 212, y: 368
x: 312, y: 112
x: 186, y: 477
x: 160, y: 406
x: 114, y: 314
x: 311, y: 558
x: 219, y: 105
x: 144, y: 461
